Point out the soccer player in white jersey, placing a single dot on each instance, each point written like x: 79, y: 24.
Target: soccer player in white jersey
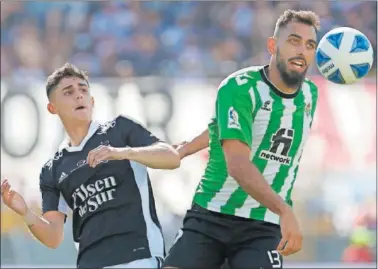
x: 242, y: 208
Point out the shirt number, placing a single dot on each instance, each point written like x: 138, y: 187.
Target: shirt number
x: 274, y: 258
x: 240, y: 80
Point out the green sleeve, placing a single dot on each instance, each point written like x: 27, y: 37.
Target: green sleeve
x: 234, y: 110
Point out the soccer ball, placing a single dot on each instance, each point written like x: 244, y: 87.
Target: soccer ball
x: 344, y: 55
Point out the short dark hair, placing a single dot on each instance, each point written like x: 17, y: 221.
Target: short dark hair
x: 67, y: 70
x: 302, y: 16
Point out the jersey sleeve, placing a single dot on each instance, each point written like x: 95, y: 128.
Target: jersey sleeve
x: 134, y: 134
x: 52, y: 200
x: 234, y: 110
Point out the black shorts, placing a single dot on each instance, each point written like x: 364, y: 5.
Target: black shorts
x: 208, y: 239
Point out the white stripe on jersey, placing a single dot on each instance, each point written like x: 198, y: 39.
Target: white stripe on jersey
x: 154, y: 235
x: 62, y: 206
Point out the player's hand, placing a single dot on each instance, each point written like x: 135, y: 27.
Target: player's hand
x: 13, y: 199
x: 181, y: 149
x: 104, y: 153
x: 291, y: 241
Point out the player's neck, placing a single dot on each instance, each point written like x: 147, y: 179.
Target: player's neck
x: 274, y: 76
x: 77, y: 131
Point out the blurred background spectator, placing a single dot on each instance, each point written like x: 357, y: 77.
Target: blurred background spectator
x: 191, y: 39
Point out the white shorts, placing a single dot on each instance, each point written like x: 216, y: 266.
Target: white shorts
x: 143, y: 263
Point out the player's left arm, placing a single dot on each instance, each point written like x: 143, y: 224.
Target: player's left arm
x: 141, y: 146
x: 159, y: 155
x: 198, y: 143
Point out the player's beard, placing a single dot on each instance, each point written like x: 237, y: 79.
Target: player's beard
x: 290, y: 77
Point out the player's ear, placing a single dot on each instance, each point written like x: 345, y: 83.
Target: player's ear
x: 93, y: 102
x: 51, y: 108
x: 272, y: 45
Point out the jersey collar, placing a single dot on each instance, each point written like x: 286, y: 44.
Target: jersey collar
x: 274, y: 88
x: 91, y: 131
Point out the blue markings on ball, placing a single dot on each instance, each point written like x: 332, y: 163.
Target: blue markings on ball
x: 336, y: 77
x: 322, y: 58
x: 360, y: 44
x: 360, y: 70
x: 335, y: 39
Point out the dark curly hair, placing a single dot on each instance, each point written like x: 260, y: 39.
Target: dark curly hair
x: 67, y: 70
x: 302, y: 16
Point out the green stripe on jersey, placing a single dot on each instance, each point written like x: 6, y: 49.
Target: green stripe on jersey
x: 314, y: 95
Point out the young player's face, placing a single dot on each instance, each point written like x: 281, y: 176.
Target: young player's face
x: 71, y: 100
x: 295, y: 51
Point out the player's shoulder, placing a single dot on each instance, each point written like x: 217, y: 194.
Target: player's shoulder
x: 250, y: 71
x: 118, y: 123
x: 311, y: 84
x: 48, y: 167
x: 123, y: 121
x: 312, y: 87
x: 241, y: 79
x: 122, y: 118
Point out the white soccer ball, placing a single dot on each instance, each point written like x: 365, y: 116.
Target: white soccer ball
x: 344, y: 55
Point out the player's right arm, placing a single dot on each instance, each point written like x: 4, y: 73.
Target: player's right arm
x: 234, y: 118
x: 48, y: 229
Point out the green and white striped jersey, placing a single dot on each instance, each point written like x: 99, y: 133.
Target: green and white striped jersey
x: 273, y: 124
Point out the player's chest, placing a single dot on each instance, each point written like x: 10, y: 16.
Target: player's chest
x: 285, y: 118
x: 284, y: 112
x: 75, y: 175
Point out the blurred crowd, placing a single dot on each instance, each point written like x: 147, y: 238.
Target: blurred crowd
x: 138, y: 38
x: 195, y: 40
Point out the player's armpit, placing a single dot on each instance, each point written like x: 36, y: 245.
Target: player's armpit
x: 48, y: 229
x: 134, y: 133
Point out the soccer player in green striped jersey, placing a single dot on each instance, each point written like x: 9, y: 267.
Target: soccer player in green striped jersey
x: 242, y: 208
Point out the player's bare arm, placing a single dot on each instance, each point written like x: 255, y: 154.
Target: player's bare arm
x: 250, y: 179
x: 158, y: 155
x: 198, y: 143
x: 48, y: 229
